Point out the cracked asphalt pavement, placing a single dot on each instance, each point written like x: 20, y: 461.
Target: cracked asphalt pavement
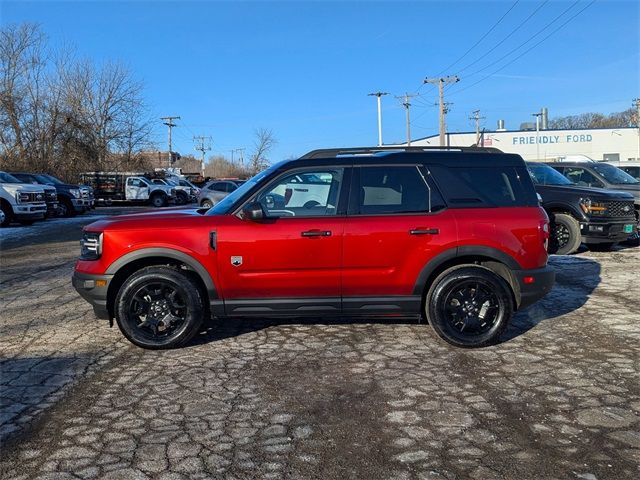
x: 558, y: 398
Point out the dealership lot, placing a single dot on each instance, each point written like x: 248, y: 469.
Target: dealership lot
x: 558, y: 398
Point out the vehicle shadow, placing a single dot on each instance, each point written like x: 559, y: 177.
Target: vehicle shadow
x: 576, y: 278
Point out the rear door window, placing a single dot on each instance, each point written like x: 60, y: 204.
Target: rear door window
x: 495, y: 186
x: 382, y: 190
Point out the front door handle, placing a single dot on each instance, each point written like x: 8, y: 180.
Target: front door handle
x: 316, y: 233
x: 424, y: 231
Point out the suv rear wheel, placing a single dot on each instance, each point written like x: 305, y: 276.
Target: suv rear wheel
x: 469, y: 306
x: 207, y: 203
x: 159, y: 308
x: 565, y: 234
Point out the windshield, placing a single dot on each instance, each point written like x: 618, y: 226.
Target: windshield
x: 6, y: 178
x: 614, y: 175
x: 52, y: 179
x: 42, y: 179
x: 224, y: 205
x: 545, y: 175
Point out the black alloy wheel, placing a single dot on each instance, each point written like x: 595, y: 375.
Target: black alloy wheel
x: 159, y: 307
x: 469, y: 306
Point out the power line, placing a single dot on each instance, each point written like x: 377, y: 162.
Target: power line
x: 484, y: 55
x: 523, y: 53
x: 530, y: 39
x: 481, y: 38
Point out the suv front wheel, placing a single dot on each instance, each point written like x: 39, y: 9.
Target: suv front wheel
x: 159, y: 307
x: 469, y: 306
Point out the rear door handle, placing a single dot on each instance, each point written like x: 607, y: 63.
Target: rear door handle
x: 316, y: 233
x: 424, y: 231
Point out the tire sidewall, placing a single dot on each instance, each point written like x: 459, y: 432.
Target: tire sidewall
x: 157, y: 201
x: 446, y: 282
x: 188, y: 289
x: 207, y: 204
x: 574, y: 234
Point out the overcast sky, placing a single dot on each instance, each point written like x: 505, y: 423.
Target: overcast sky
x: 304, y: 69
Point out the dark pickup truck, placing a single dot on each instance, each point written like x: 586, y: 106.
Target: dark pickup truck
x: 597, y: 217
x: 72, y: 199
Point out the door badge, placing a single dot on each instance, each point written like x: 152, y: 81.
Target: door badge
x: 236, y: 261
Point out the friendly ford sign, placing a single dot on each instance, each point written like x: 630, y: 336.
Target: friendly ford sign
x: 548, y: 139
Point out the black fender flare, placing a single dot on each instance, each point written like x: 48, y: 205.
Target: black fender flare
x: 167, y: 253
x: 566, y: 207
x: 465, y: 251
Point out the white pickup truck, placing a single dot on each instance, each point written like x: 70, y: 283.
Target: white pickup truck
x: 133, y: 187
x: 19, y: 201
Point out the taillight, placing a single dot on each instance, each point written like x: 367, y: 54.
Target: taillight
x: 544, y: 233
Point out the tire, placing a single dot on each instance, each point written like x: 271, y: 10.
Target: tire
x: 158, y: 200
x: 207, y: 204
x: 6, y: 216
x: 601, y: 247
x: 66, y: 208
x: 178, y: 299
x: 452, y: 306
x: 181, y: 198
x: 565, y: 234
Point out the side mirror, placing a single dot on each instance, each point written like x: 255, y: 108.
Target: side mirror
x: 254, y: 212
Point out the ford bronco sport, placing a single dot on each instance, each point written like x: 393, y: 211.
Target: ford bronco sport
x: 455, y: 236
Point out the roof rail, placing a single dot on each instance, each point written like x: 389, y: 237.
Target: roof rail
x: 335, y: 152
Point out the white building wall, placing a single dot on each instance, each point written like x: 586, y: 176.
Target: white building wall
x: 594, y: 143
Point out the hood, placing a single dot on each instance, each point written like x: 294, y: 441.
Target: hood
x: 587, y: 192
x: 145, y: 220
x: 25, y: 187
x: 633, y: 189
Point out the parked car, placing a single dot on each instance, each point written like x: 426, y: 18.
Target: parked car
x: 214, y: 191
x: 602, y: 175
x: 72, y: 199
x: 183, y: 193
x: 50, y: 192
x: 22, y: 202
x: 456, y: 237
x: 133, y: 187
x: 597, y: 217
x: 631, y: 167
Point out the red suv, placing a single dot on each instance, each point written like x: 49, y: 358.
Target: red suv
x: 454, y: 236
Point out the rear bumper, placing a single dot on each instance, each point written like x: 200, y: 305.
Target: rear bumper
x: 85, y: 285
x: 534, y: 284
x: 604, y: 232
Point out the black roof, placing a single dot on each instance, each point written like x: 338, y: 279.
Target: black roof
x: 450, y: 156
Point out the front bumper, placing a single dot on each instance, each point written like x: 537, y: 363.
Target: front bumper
x: 85, y: 285
x: 30, y: 211
x: 534, y: 284
x: 605, y: 232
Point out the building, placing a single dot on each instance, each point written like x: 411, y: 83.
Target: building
x: 610, y: 144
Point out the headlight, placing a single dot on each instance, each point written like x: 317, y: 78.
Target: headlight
x: 588, y: 206
x: 22, y: 196
x: 75, y: 192
x: 91, y: 246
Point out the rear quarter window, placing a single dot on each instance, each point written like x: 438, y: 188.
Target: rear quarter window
x: 485, y: 186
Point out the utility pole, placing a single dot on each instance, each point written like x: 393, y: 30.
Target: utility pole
x: 379, y: 95
x: 168, y: 121
x: 637, y: 105
x: 537, y: 115
x: 441, y: 82
x: 202, y: 148
x: 476, y: 116
x: 405, y: 103
x: 241, y: 151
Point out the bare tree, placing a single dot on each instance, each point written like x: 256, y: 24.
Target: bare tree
x: 595, y: 120
x: 64, y: 115
x: 263, y: 143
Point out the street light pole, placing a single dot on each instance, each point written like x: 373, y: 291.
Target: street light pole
x: 379, y: 95
x: 537, y: 115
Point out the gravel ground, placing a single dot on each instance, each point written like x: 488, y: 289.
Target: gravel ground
x: 558, y: 398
